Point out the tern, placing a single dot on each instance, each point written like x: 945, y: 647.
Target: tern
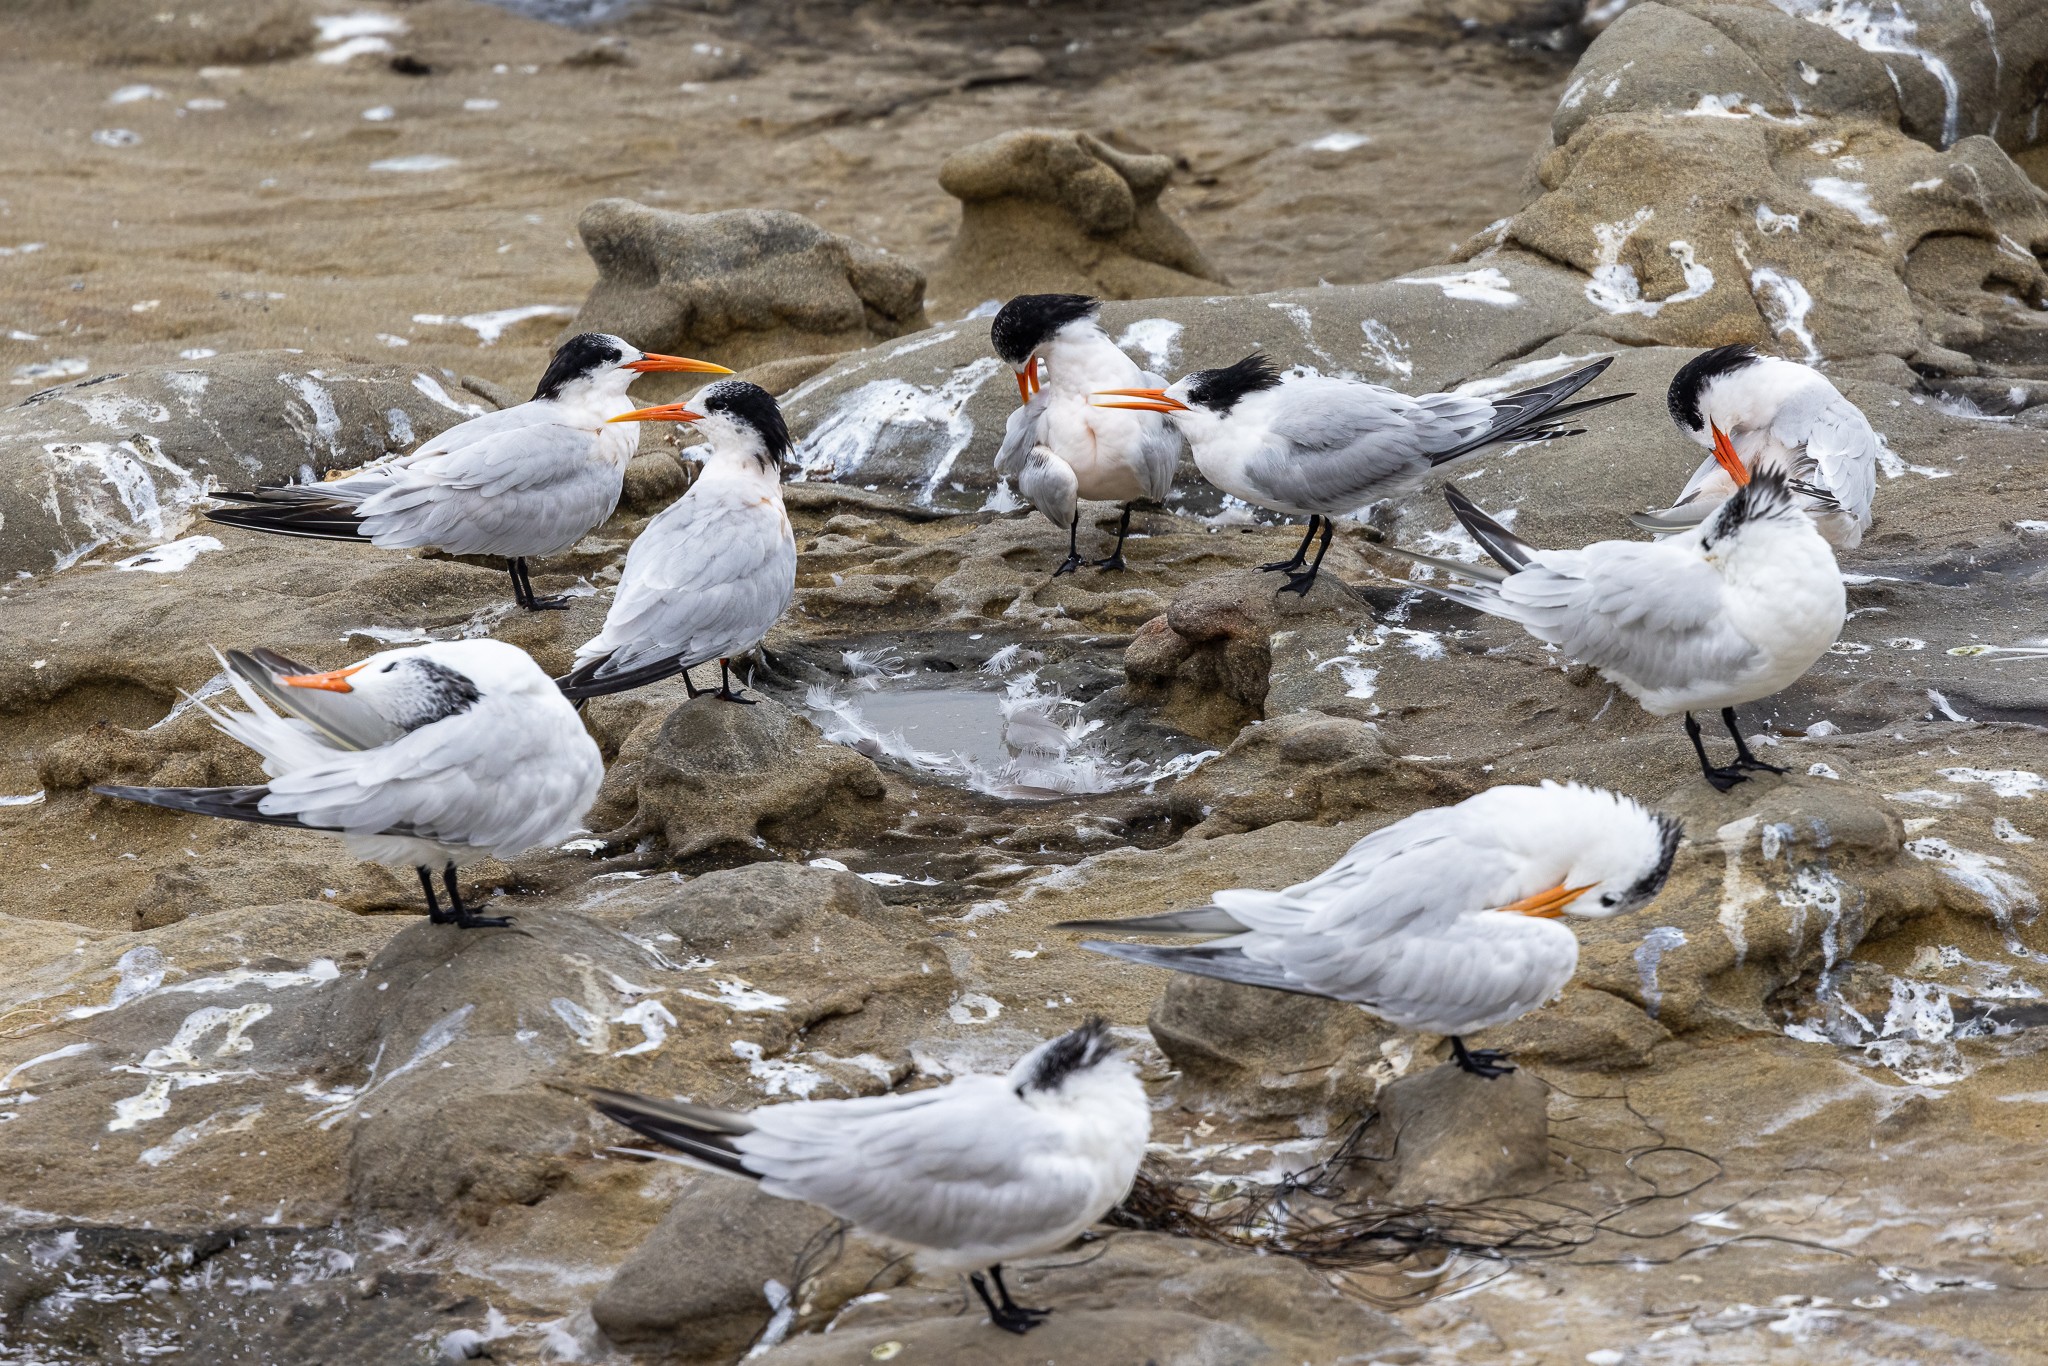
x: 1058, y: 448
x: 981, y: 1171
x: 1321, y: 447
x: 1761, y: 412
x: 1733, y: 610
x: 715, y: 569
x: 429, y: 757
x: 523, y: 482
x: 1447, y: 921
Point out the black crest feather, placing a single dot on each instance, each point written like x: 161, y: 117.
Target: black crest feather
x: 752, y: 406
x: 576, y: 358
x: 1683, y: 398
x: 1077, y: 1050
x: 1220, y: 390
x: 1765, y: 497
x: 448, y: 692
x: 1027, y: 321
x: 1669, y: 831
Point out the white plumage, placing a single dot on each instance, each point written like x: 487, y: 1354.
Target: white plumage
x: 1444, y: 921
x: 980, y: 1171
x: 1733, y: 610
x: 714, y: 570
x: 1776, y: 415
x: 430, y: 757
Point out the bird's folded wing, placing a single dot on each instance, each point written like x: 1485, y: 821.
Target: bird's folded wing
x: 1649, y: 611
x: 476, y: 430
x: 1048, y: 484
x: 1020, y: 433
x: 342, y: 717
x: 1470, y: 963
x: 964, y: 1166
x: 1842, y: 450
x: 705, y: 578
x: 1341, y: 445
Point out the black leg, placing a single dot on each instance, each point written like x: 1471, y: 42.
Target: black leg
x: 1073, y: 560
x: 995, y: 1273
x: 1480, y: 1062
x: 434, y: 913
x: 689, y: 687
x: 519, y: 597
x: 532, y: 603
x: 1743, y: 758
x: 725, y: 692
x: 1302, y: 582
x: 1115, y: 561
x: 1300, y: 551
x: 462, y: 916
x: 1721, y: 778
x: 1005, y: 1315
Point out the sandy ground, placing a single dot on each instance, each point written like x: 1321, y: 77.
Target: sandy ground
x: 242, y: 207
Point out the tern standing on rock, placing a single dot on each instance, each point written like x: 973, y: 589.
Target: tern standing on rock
x: 970, y: 1175
x: 1317, y: 446
x: 428, y: 757
x: 1058, y: 447
x: 1731, y: 611
x: 526, y: 481
x: 1762, y: 413
x: 1447, y: 921
x: 715, y: 569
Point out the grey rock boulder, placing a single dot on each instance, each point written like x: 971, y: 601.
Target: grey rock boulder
x: 1453, y: 1137
x: 742, y: 286
x: 124, y: 461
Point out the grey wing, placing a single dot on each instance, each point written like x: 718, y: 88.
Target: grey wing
x: 706, y: 580
x: 1048, y: 484
x: 1840, y: 455
x: 1649, y: 612
x: 532, y: 486
x: 1446, y: 971
x: 1020, y: 434
x: 1159, y: 454
x: 965, y: 1166
x: 342, y: 717
x: 1343, y: 445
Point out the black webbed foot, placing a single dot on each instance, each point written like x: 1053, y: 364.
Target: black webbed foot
x: 1480, y: 1062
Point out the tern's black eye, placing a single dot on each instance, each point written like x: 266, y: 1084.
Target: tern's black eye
x: 1609, y: 899
x: 388, y: 667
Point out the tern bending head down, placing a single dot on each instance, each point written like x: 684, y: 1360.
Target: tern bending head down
x: 1448, y: 921
x: 715, y: 569
x: 524, y: 481
x: 983, y: 1170
x: 1058, y: 448
x: 428, y: 757
x: 1733, y: 610
x: 1760, y: 413
x: 1318, y: 446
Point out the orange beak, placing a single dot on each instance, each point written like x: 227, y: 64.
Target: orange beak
x: 1550, y: 904
x: 1150, y: 400
x: 651, y: 362
x: 1724, y: 452
x: 664, y: 412
x: 1027, y: 380
x: 334, y: 680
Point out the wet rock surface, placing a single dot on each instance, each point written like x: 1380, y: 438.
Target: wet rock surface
x: 255, y: 1109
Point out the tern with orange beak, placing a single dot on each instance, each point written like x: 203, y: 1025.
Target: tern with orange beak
x: 1058, y: 448
x: 523, y: 482
x: 715, y: 569
x: 1319, y: 447
x: 1759, y: 412
x: 1449, y: 921
x: 1731, y: 611
x: 429, y: 757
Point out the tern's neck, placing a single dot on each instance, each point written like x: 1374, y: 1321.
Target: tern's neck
x: 596, y: 399
x: 1082, y: 357
x: 742, y: 464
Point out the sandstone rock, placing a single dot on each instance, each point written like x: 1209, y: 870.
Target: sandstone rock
x: 1584, y: 1028
x: 1145, y: 1297
x: 125, y: 460
x: 740, y: 287
x: 1449, y: 1136
x: 1272, y: 1052
x: 1306, y: 766
x: 1204, y: 664
x: 754, y: 909
x: 1063, y: 212
x: 694, y: 1291
x: 715, y: 777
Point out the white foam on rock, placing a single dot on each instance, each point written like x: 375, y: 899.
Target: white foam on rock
x: 492, y: 325
x: 1486, y: 285
x: 886, y: 415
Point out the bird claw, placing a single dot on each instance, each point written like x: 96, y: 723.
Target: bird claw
x: 1069, y: 565
x: 1019, y: 1320
x: 1753, y: 764
x: 735, y: 697
x: 556, y: 604
x: 1298, y: 584
x: 1115, y: 561
x: 1485, y: 1062
x: 1725, y: 778
x: 1281, y: 566
x: 484, y: 922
